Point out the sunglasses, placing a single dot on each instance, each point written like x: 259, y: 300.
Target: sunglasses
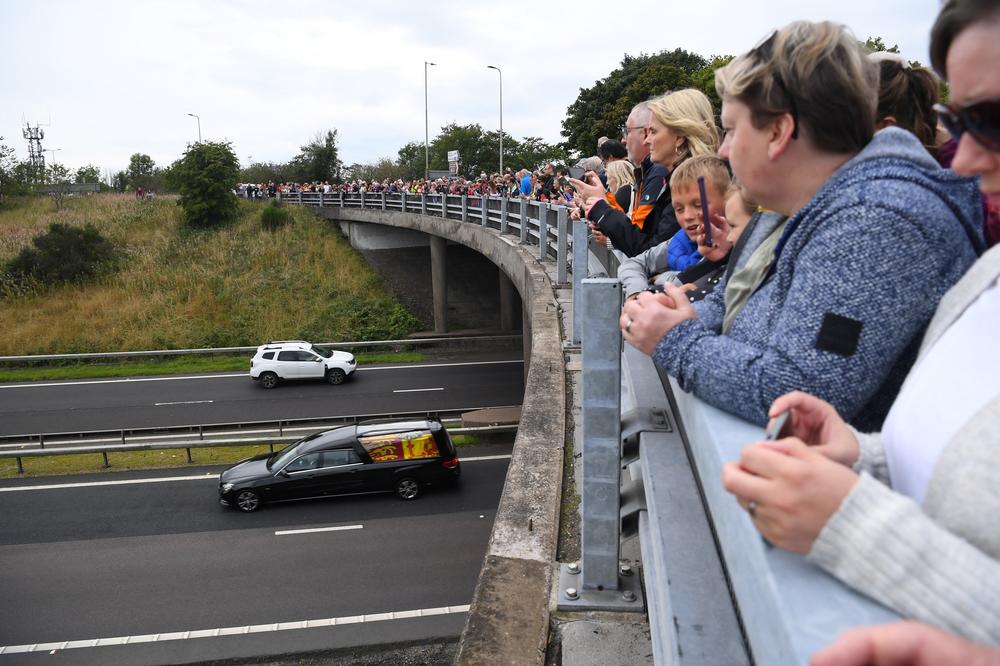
x: 981, y: 119
x: 764, y: 52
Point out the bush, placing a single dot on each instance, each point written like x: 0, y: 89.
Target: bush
x: 206, y: 177
x: 274, y: 217
x: 64, y: 254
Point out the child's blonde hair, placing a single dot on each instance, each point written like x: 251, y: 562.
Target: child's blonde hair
x: 712, y: 167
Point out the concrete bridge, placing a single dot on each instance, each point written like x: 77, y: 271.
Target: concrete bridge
x: 614, y: 542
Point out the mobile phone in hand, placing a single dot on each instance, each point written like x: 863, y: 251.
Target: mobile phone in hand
x: 706, y: 219
x: 773, y: 431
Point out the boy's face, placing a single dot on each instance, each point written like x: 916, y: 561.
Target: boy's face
x: 687, y: 204
x: 736, y: 217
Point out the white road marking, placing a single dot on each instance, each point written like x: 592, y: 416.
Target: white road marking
x: 163, y: 479
x: 417, y: 390
x: 183, y: 402
x: 245, y: 375
x: 313, y: 530
x: 233, y: 631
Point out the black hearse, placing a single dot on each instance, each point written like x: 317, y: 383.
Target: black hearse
x: 386, y: 456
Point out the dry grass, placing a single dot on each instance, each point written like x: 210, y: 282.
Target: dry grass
x: 180, y: 289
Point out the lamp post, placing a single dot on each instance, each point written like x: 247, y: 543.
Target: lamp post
x: 427, y: 134
x: 199, y: 125
x: 501, y: 114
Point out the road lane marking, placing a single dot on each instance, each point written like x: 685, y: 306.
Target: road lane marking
x: 164, y: 479
x: 233, y: 631
x: 182, y: 402
x: 240, y: 374
x: 417, y: 390
x: 122, y: 482
x: 313, y: 530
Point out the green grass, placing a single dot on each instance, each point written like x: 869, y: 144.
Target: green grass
x: 182, y: 289
x: 89, y: 463
x: 168, y: 366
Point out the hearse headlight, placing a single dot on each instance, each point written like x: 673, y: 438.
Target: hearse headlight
x: 226, y: 487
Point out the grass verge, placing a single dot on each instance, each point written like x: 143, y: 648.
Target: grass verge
x: 169, y: 366
x: 90, y: 463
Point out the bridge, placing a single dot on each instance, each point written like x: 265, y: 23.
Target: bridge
x: 643, y: 457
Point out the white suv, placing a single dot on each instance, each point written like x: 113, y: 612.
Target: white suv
x: 298, y: 359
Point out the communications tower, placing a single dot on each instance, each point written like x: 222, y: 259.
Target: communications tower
x: 36, y: 156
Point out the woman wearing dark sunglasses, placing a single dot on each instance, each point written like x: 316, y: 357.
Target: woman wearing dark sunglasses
x: 909, y: 515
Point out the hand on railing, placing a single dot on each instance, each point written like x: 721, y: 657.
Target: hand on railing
x: 648, y: 317
x: 904, y: 644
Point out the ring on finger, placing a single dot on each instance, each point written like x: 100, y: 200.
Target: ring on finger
x: 628, y: 326
x: 752, y: 508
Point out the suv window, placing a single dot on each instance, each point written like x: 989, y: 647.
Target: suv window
x: 294, y: 355
x: 338, y: 457
x: 302, y: 463
x: 268, y: 355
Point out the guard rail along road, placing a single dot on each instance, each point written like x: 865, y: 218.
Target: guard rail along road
x: 713, y: 591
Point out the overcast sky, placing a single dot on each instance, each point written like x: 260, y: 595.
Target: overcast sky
x: 114, y: 78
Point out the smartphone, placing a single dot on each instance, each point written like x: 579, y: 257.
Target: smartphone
x: 773, y: 431
x: 576, y: 172
x: 704, y: 211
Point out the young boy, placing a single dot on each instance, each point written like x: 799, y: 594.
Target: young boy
x: 682, y: 251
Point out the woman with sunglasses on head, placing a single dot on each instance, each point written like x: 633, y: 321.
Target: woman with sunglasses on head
x: 831, y: 295
x: 909, y: 515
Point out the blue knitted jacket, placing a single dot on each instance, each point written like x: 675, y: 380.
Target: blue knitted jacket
x: 682, y: 253
x: 856, y: 277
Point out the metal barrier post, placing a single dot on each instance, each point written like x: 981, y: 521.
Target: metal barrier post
x: 580, y: 234
x: 444, y: 206
x: 503, y: 215
x: 484, y: 210
x: 465, y: 208
x: 524, y: 220
x: 543, y: 230
x: 561, y: 245
x: 402, y: 201
x: 341, y: 198
x: 597, y: 582
x: 383, y: 200
x: 423, y: 203
x: 104, y: 454
x: 321, y: 198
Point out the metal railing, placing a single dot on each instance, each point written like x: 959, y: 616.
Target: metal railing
x: 208, y: 435
x: 366, y: 344
x: 715, y: 592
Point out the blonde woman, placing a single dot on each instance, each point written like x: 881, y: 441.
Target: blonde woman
x: 677, y: 126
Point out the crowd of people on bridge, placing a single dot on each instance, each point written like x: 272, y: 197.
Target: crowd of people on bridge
x: 827, y: 257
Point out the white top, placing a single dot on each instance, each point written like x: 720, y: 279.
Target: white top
x: 954, y: 381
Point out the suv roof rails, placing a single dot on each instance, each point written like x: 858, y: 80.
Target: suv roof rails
x: 288, y: 342
x: 390, y: 423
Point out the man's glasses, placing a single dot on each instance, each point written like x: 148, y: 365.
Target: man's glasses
x: 981, y: 119
x: 764, y: 52
x: 625, y: 129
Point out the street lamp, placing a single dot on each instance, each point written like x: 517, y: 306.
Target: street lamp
x: 501, y: 114
x: 53, y: 151
x: 427, y: 134
x: 199, y: 125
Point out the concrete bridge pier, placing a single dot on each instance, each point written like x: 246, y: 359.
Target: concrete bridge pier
x: 509, y: 303
x: 439, y: 282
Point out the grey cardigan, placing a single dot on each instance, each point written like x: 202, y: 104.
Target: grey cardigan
x: 939, y: 563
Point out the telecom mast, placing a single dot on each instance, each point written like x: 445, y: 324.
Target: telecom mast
x: 36, y: 156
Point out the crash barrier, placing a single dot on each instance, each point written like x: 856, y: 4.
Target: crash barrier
x: 207, y: 436
x: 366, y: 344
x: 715, y: 592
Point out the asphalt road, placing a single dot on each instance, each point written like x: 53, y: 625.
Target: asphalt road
x: 75, y: 406
x: 138, y: 559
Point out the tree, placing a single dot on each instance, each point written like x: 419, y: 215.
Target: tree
x: 8, y: 161
x: 88, y: 174
x: 140, y: 171
x: 205, y: 177
x: 64, y: 254
x: 704, y: 80
x: 119, y: 181
x: 876, y: 44
x: 602, y: 109
x: 318, y: 159
x: 411, y: 160
x: 384, y: 168
x: 57, y: 174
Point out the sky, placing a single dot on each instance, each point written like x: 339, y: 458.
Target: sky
x: 108, y: 79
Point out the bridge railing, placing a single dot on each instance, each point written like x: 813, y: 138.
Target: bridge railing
x: 715, y: 592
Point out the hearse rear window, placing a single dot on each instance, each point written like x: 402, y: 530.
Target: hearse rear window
x: 400, y: 446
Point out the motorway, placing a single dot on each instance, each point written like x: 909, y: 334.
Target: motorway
x: 91, y: 560
x: 106, y: 404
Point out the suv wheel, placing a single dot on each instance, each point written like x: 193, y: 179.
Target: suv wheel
x: 335, y: 376
x: 268, y: 380
x: 407, y: 488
